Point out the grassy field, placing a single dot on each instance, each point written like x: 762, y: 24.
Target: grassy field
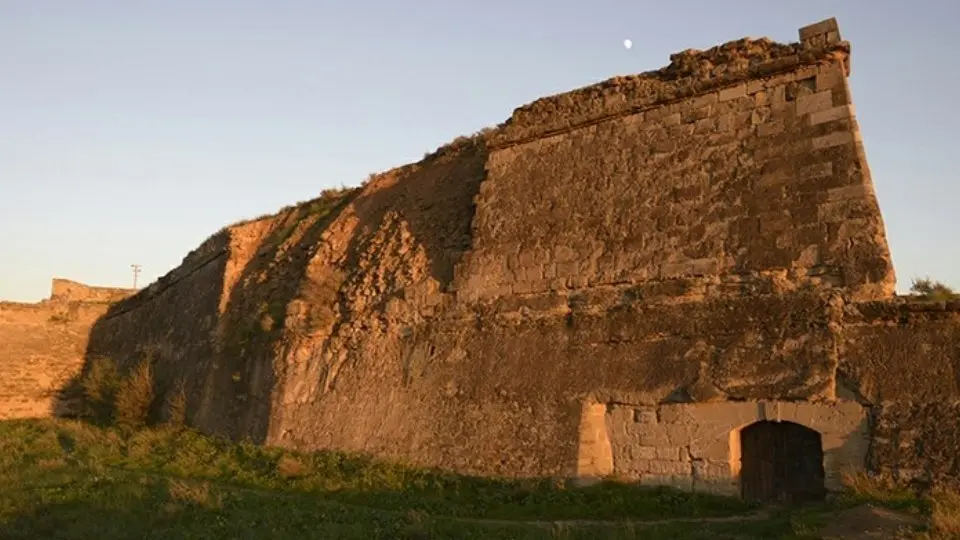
x: 66, y: 479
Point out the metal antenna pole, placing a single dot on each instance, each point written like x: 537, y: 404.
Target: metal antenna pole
x: 136, y: 272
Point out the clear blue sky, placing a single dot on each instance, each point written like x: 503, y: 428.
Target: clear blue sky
x: 131, y: 131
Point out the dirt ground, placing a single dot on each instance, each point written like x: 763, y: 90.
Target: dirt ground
x: 870, y: 523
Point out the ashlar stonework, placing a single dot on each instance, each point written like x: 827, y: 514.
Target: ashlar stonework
x: 679, y: 277
x: 697, y: 446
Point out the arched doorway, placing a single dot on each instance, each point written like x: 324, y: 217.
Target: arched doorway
x: 781, y: 462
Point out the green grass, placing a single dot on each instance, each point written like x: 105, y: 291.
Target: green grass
x: 65, y: 479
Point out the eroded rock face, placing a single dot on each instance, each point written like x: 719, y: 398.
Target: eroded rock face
x: 702, y: 240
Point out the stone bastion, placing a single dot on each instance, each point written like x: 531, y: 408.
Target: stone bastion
x: 679, y: 277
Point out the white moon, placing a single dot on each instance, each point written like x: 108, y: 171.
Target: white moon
x: 627, y: 43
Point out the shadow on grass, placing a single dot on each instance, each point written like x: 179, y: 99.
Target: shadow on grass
x: 161, y: 509
x: 168, y: 508
x: 70, y: 503
x: 67, y: 479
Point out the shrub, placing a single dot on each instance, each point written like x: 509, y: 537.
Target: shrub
x: 928, y: 289
x: 945, y: 515
x: 99, y: 388
x: 176, y: 406
x: 134, y: 396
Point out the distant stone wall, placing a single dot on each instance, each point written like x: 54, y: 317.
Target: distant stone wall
x: 742, y: 161
x: 65, y: 290
x: 43, y: 346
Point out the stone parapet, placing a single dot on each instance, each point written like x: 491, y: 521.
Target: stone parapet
x: 690, y: 73
x: 745, y: 160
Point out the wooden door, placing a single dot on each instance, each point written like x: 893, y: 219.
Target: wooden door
x: 781, y: 462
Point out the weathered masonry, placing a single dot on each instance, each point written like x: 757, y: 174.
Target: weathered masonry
x: 747, y: 185
x: 43, y: 345
x: 768, y: 450
x: 679, y: 277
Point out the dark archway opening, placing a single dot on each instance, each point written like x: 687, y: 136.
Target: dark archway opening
x: 781, y: 462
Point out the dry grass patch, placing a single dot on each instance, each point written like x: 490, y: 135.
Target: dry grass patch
x: 945, y: 514
x: 194, y: 492
x: 135, y: 396
x: 290, y: 467
x: 176, y: 406
x: 99, y: 387
x: 881, y: 490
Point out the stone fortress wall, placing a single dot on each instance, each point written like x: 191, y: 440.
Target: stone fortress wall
x: 743, y: 161
x: 43, y: 345
x: 646, y: 278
